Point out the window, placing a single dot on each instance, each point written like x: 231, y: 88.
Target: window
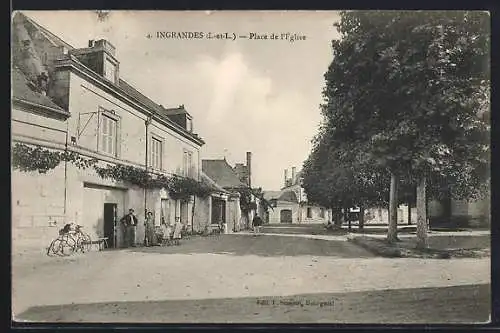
x: 322, y: 213
x: 188, y: 164
x: 309, y: 212
x: 109, y: 70
x: 108, y: 135
x: 189, y: 124
x: 156, y: 153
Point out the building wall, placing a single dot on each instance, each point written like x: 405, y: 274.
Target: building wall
x: 380, y: 215
x: 37, y: 199
x: 315, y: 214
x: 472, y: 213
x: 26, y: 123
x: 202, y: 214
x: 275, y: 215
x: 86, y: 100
x: 233, y: 214
x: 299, y: 213
x: 37, y: 207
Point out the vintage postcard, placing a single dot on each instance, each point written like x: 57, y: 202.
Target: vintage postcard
x: 251, y: 167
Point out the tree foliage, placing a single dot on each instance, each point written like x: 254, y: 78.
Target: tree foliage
x: 247, y: 198
x: 335, y: 177
x: 407, y: 93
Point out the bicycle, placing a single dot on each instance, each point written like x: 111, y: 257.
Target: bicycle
x: 82, y: 240
x: 71, y: 239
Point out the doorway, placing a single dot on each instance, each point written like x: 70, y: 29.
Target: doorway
x: 165, y: 212
x: 184, y: 213
x: 218, y: 211
x: 110, y: 219
x: 286, y: 216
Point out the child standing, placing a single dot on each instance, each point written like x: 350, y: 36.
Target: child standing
x: 166, y: 232
x: 177, y: 232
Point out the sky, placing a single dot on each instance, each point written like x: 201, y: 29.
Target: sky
x: 254, y: 95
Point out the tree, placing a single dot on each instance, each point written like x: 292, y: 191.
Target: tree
x: 404, y: 92
x: 336, y: 177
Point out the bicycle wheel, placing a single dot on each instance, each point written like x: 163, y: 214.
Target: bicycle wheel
x: 84, y: 242
x: 87, y: 242
x: 68, y: 245
x: 54, y: 247
x: 79, y: 242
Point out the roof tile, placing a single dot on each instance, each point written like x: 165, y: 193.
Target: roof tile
x: 222, y: 173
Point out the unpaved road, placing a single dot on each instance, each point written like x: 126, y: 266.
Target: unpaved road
x: 221, y: 280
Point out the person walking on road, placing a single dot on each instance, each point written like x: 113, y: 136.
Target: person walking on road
x: 256, y: 222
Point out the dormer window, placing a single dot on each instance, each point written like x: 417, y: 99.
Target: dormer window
x: 189, y: 124
x: 110, y: 70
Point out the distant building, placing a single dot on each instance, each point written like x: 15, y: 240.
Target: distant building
x: 232, y: 180
x: 290, y: 204
x: 460, y: 213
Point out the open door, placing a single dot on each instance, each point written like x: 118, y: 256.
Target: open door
x: 110, y: 221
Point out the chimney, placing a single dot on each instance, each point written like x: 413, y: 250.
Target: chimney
x: 42, y: 81
x: 286, y: 177
x: 293, y: 174
x: 249, y: 168
x: 91, y: 43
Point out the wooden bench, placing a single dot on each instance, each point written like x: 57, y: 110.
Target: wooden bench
x: 102, y: 243
x: 216, y: 229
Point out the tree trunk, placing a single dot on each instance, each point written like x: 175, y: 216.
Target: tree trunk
x: 348, y: 218
x: 361, y: 218
x: 409, y: 213
x: 338, y: 217
x: 392, y: 230
x: 421, y: 215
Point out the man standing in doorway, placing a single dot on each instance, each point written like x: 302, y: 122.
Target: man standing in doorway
x: 129, y: 223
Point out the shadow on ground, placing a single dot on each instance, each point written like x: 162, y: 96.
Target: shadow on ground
x: 319, y: 229
x: 457, y: 304
x: 439, y: 247
x: 262, y: 245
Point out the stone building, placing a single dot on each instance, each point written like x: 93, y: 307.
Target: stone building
x: 233, y: 179
x: 75, y: 99
x: 290, y: 204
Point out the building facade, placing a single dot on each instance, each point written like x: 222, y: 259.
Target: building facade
x: 290, y: 204
x: 74, y: 99
x: 233, y: 180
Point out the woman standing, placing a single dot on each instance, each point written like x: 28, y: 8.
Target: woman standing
x: 150, y: 229
x: 177, y: 232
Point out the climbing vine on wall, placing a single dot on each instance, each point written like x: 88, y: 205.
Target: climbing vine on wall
x: 246, y: 202
x: 182, y: 188
x: 126, y: 173
x: 28, y: 159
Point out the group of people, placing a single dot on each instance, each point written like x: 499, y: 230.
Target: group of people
x: 167, y: 233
